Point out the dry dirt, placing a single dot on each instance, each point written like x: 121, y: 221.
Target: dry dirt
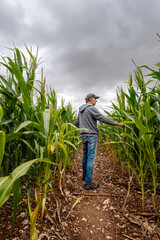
x: 104, y: 213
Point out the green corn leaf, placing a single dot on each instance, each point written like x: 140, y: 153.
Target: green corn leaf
x: 20, y: 78
x: 140, y: 125
x: 71, y: 132
x: 6, y: 122
x: 18, y: 59
x: 6, y: 186
x: 145, y: 66
x: 22, y: 85
x: 28, y: 145
x: 118, y: 142
x: 22, y: 125
x: 2, y: 145
x: 16, y: 191
x: 69, y: 143
x: 15, y: 135
x: 137, y: 140
x: 8, y: 87
x: 46, y: 121
x: 148, y: 82
x: 158, y: 115
x: 29, y: 52
x: 9, y: 68
x: 63, y: 127
x: 3, y: 179
x: 119, y: 98
x: 4, y: 91
x: 54, y: 115
x: 1, y: 112
x: 129, y: 116
x: 116, y: 108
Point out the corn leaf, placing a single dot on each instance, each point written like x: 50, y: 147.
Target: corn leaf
x: 22, y: 85
x: 2, y: 145
x: 6, y: 186
x: 33, y: 218
x: 22, y: 125
x: 3, y: 179
x: 16, y: 191
x: 1, y: 112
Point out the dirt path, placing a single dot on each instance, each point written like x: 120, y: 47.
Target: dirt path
x: 96, y: 214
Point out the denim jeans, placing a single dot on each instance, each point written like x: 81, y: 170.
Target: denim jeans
x: 89, y: 150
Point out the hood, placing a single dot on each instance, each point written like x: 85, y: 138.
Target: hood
x: 84, y: 106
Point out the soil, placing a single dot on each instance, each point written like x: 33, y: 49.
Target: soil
x: 77, y: 214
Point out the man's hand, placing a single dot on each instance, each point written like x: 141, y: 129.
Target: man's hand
x: 119, y: 125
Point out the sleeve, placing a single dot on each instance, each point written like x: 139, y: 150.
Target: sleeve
x: 77, y: 121
x: 101, y: 118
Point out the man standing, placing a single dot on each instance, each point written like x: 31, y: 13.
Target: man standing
x: 87, y: 120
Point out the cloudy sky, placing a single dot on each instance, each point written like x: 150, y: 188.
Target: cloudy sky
x: 86, y: 45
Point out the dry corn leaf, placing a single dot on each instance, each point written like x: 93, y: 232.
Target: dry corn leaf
x: 76, y: 202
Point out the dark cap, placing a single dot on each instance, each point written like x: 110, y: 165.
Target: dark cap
x: 91, y: 95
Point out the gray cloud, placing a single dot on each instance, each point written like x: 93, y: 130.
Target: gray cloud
x: 87, y: 45
x: 11, y: 20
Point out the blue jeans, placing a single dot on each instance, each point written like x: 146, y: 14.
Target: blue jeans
x: 89, y: 150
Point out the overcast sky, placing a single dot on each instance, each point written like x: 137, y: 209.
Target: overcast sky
x: 86, y: 45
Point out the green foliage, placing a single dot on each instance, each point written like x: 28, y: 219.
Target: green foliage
x: 2, y: 139
x: 16, y: 191
x: 138, y: 142
x: 33, y: 127
x: 6, y: 186
x: 2, y: 146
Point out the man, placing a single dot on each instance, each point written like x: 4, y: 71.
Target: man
x: 87, y: 122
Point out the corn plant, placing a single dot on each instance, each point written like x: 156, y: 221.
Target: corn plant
x: 138, y: 109
x: 2, y: 139
x: 35, y: 128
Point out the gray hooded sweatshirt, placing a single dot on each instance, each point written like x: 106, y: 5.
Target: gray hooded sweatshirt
x: 87, y: 118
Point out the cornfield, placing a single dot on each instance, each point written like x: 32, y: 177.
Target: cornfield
x: 38, y: 139
x: 137, y: 146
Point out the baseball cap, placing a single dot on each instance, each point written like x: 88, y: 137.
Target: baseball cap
x: 91, y: 95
